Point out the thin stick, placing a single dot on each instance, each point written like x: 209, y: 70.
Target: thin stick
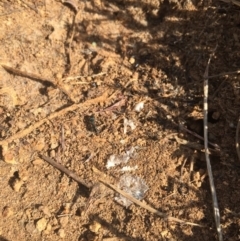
x: 145, y: 206
x: 28, y: 75
x: 65, y: 170
x: 198, y: 136
x: 209, y: 168
x: 105, y: 180
x: 237, y: 138
x: 75, y: 177
x: 40, y: 79
x: 224, y: 74
x: 195, y: 145
x: 73, y: 107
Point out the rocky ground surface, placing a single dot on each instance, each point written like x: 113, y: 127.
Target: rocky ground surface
x: 87, y: 83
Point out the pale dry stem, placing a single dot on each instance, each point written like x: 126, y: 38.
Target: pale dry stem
x: 209, y: 168
x: 237, y: 139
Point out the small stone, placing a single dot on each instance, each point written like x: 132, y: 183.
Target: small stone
x: 58, y: 76
x: 54, y: 143
x: 67, y: 207
x: 38, y: 161
x: 7, y: 212
x: 39, y: 144
x: 46, y: 211
x: 132, y: 60
x: 95, y: 227
x: 164, y: 233
x: 61, y: 233
x: 17, y: 184
x: 48, y: 229
x: 52, y: 153
x: 63, y: 221
x: 10, y: 158
x: 41, y: 224
x: 24, y: 175
x: 30, y: 227
x: 139, y: 106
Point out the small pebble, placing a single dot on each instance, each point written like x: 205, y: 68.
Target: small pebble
x: 61, y: 233
x: 132, y: 60
x: 95, y: 227
x: 7, y: 212
x: 41, y: 224
x: 138, y: 107
x: 17, y: 185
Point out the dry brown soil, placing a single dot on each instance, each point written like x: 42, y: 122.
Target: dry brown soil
x: 124, y: 52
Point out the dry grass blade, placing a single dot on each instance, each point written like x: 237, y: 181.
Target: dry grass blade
x: 209, y: 168
x: 237, y: 138
x: 224, y: 74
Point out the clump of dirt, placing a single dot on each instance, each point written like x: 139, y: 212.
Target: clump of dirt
x: 85, y: 81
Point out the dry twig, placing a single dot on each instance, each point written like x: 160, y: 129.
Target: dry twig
x: 40, y: 79
x: 106, y: 183
x: 224, y: 74
x: 198, y: 136
x: 195, y: 145
x: 166, y: 217
x: 147, y: 207
x: 65, y: 170
x: 73, y: 107
x: 209, y: 168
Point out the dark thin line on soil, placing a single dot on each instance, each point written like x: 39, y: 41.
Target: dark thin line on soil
x: 65, y: 170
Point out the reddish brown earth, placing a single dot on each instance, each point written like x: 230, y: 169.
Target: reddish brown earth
x: 126, y: 52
